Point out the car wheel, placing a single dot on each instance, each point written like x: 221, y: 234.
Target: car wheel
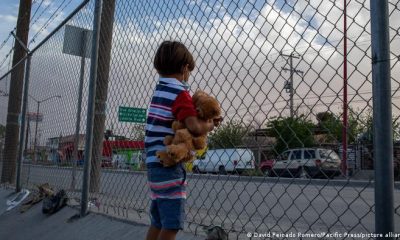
x: 331, y: 176
x: 267, y: 172
x: 196, y: 169
x: 302, y: 173
x: 221, y: 170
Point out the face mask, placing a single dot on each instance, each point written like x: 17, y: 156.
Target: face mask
x: 186, y: 85
x: 185, y: 82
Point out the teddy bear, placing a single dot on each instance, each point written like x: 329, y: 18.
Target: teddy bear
x: 181, y: 147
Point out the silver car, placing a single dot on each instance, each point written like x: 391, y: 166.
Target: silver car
x: 307, y: 162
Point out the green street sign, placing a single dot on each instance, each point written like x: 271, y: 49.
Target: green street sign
x: 128, y: 114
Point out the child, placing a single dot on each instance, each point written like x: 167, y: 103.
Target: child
x: 171, y: 101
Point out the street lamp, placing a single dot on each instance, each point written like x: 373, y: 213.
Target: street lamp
x: 38, y: 102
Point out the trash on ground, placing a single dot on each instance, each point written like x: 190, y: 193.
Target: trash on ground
x: 17, y: 199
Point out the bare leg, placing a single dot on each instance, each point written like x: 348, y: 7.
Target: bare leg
x: 153, y: 233
x: 166, y: 234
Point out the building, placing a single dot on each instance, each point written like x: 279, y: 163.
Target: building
x: 60, y: 149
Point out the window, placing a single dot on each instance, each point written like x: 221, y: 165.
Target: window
x: 284, y: 156
x: 309, y: 154
x: 296, y: 154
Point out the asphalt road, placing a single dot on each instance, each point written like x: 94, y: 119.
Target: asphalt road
x: 239, y: 204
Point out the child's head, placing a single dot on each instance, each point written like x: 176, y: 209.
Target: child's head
x: 174, y: 59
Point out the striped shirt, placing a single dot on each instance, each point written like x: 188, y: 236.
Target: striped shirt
x: 170, y: 101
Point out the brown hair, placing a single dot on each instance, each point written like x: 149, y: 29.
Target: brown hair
x: 171, y: 57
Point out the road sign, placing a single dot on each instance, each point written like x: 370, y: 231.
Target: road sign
x: 73, y: 41
x: 128, y: 114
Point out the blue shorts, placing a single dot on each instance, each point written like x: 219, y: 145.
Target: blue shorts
x: 168, y: 213
x: 168, y: 193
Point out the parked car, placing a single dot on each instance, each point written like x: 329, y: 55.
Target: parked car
x: 225, y: 161
x: 304, y: 162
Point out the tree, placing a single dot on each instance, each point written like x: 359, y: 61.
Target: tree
x: 291, y: 132
x: 228, y: 135
x: 329, y: 124
x: 332, y: 125
x: 366, y: 130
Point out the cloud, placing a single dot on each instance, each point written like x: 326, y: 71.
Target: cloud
x: 237, y: 56
x: 8, y: 18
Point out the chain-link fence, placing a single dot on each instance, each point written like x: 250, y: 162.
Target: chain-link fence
x: 276, y: 67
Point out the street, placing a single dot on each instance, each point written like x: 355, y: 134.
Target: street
x: 240, y: 204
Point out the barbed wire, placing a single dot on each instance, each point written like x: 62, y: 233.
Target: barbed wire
x: 50, y: 20
x: 5, y: 41
x: 33, y: 16
x: 10, y: 35
x: 5, y: 58
x: 40, y: 15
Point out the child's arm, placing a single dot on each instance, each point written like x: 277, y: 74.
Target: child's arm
x: 184, y: 111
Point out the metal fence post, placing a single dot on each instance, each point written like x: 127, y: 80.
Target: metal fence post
x: 90, y: 111
x: 78, y: 112
x: 23, y: 117
x: 382, y: 113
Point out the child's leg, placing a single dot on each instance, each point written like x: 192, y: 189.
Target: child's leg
x: 172, y: 214
x: 166, y: 234
x: 153, y: 233
x: 155, y: 227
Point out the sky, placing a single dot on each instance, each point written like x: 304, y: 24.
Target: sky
x: 237, y: 46
x: 40, y: 26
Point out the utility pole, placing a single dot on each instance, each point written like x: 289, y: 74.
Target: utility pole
x: 103, y: 70
x: 289, y: 84
x: 14, y: 101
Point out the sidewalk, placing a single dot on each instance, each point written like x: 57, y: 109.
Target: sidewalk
x: 35, y: 225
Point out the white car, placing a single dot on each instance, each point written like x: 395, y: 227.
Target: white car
x: 235, y: 160
x: 307, y: 162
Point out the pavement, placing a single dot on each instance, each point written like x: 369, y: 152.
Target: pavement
x: 33, y: 224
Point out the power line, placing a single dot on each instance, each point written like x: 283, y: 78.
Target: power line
x: 5, y: 41
x: 40, y: 15
x: 33, y: 16
x: 50, y: 20
x: 9, y: 35
x: 5, y: 58
x: 306, y: 98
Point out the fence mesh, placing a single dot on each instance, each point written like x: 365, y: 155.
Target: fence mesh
x: 56, y: 77
x: 276, y: 67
